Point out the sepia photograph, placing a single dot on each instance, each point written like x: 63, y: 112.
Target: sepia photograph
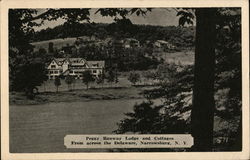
x: 147, y: 79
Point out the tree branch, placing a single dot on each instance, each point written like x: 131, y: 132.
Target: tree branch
x: 49, y: 11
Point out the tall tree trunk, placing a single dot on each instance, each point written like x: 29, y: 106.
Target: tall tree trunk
x: 202, y: 115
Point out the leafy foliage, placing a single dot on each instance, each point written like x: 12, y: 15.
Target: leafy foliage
x: 69, y: 80
x: 110, y: 76
x: 28, y: 76
x: 134, y: 77
x: 87, y: 77
x: 143, y: 120
x: 121, y: 13
x: 100, y: 79
x: 228, y: 55
x: 57, y: 83
x: 187, y: 16
x: 172, y: 116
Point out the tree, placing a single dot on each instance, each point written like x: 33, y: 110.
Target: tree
x: 100, y: 79
x: 51, y: 47
x: 166, y: 71
x: 87, y: 77
x: 69, y: 81
x: 142, y: 120
x: 202, y: 115
x: 26, y: 72
x: 110, y: 77
x: 116, y: 76
x: 134, y: 77
x: 74, y: 83
x: 27, y: 77
x: 57, y: 83
x: 228, y: 72
x: 150, y: 76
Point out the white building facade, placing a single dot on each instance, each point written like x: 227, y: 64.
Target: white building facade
x: 74, y: 67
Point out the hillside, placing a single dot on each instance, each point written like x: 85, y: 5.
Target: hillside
x: 182, y: 37
x: 58, y: 43
x: 108, y: 42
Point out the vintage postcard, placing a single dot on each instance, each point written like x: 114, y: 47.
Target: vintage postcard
x: 119, y: 79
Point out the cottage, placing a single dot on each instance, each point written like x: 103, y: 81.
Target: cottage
x: 74, y: 67
x: 126, y: 43
x: 161, y: 44
x: 131, y: 43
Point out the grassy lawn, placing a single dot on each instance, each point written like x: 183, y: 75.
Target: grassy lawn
x: 78, y: 92
x: 49, y: 86
x: 183, y: 57
x: 80, y: 95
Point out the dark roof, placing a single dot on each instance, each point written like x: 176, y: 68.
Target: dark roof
x: 59, y: 61
x: 97, y: 64
x: 77, y: 61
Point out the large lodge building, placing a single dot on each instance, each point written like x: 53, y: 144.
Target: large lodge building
x: 74, y: 67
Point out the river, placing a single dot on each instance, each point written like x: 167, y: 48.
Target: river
x: 41, y: 128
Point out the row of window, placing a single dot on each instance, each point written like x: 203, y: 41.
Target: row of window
x: 75, y: 67
x: 54, y: 72
x: 80, y: 72
x: 76, y: 77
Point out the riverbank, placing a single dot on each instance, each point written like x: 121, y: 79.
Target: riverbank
x: 79, y: 95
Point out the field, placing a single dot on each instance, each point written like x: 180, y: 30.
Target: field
x: 49, y: 86
x: 80, y: 95
x: 58, y: 43
x: 184, y: 57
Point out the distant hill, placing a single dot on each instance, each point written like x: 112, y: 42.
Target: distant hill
x: 181, y: 37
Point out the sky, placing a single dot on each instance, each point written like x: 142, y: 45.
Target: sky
x: 158, y: 16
